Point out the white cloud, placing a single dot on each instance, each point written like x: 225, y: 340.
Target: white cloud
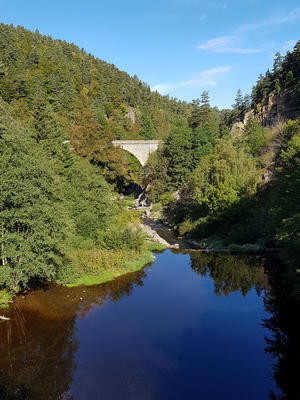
x: 226, y: 44
x: 207, y: 77
x: 165, y: 88
x: 276, y: 19
x: 233, y: 43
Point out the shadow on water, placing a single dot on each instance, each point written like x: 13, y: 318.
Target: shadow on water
x: 283, y: 339
x: 229, y: 274
x: 38, y: 342
x: 240, y: 274
x: 284, y: 343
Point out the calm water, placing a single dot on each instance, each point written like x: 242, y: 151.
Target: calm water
x: 190, y: 326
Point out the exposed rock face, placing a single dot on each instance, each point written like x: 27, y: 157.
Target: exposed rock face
x: 238, y: 128
x: 277, y: 108
x: 131, y: 115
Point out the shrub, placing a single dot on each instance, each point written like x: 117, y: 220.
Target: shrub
x: 185, y: 227
x: 5, y: 297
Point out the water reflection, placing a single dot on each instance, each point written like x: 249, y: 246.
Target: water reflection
x: 38, y: 342
x: 36, y: 356
x: 283, y: 336
x: 172, y: 330
x: 229, y: 272
x: 284, y: 344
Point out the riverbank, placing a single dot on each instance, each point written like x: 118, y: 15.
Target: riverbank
x: 158, y: 232
x: 161, y: 233
x: 155, y: 232
x: 151, y: 228
x: 127, y: 266
x: 158, y: 237
x: 93, y: 267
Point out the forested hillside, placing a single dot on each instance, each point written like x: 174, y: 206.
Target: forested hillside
x: 60, y: 108
x: 52, y: 84
x: 60, y: 211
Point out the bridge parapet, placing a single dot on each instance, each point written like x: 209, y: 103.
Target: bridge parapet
x: 139, y: 148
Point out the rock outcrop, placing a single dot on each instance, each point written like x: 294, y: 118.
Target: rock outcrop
x: 278, y: 107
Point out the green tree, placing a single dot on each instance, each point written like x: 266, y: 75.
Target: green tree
x: 178, y: 151
x: 34, y: 222
x: 156, y: 178
x: 238, y: 100
x: 255, y: 135
x: 205, y: 127
x: 89, y: 199
x: 202, y: 142
x: 204, y: 99
x: 201, y: 112
x: 277, y: 64
x: 48, y: 133
x: 240, y: 107
x: 223, y: 177
x: 147, y: 129
x: 289, y: 79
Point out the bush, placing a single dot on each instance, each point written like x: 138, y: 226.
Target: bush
x: 246, y: 248
x: 185, y: 227
x: 156, y: 207
x: 5, y: 297
x: 166, y: 199
x: 127, y: 239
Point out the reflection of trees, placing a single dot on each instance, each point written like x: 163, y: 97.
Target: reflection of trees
x: 229, y: 272
x: 114, y: 291
x: 125, y: 285
x: 284, y: 344
x: 38, y: 343
x: 37, y: 356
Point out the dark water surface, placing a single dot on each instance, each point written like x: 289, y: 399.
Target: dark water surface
x: 190, y: 326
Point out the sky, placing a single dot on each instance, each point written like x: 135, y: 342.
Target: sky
x: 178, y: 47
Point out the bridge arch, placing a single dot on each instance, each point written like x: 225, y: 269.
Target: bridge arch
x: 139, y: 148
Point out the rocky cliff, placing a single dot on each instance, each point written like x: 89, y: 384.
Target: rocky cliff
x: 278, y: 107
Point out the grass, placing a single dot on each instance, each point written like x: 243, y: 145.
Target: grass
x: 154, y: 246
x: 90, y: 280
x: 5, y: 298
x: 107, y: 275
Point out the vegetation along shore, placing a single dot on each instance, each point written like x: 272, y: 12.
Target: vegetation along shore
x: 224, y: 179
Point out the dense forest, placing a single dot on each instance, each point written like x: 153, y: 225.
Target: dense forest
x: 61, y: 213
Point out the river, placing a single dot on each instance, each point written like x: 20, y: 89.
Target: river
x: 191, y: 325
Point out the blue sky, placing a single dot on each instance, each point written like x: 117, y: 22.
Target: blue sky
x: 178, y: 47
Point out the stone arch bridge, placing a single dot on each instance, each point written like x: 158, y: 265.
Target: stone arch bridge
x: 139, y: 148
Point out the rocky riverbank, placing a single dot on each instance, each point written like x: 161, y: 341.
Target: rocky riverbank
x: 160, y: 233
x: 150, y: 227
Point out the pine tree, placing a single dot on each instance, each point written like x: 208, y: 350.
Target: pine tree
x: 178, y: 151
x: 147, y: 129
